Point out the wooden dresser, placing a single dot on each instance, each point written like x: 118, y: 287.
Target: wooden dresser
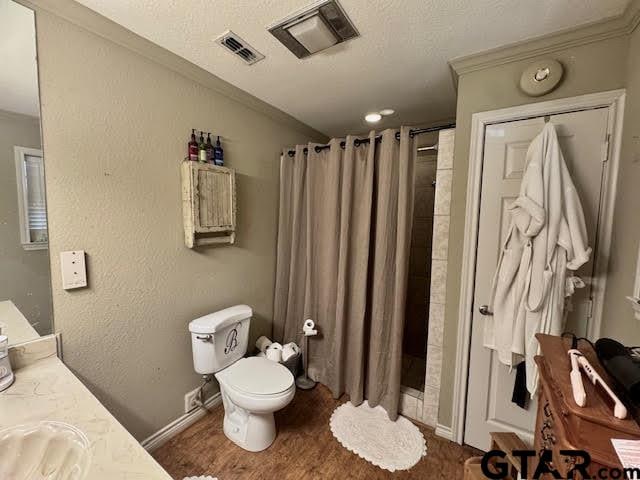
x: 561, y: 424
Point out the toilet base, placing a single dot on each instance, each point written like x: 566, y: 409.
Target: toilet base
x: 249, y: 430
x: 252, y: 431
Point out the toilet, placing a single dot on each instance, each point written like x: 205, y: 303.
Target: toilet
x: 252, y: 388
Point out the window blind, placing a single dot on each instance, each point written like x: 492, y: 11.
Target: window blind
x: 36, y: 199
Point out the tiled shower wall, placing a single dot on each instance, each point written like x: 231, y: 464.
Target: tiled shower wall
x: 426, y: 409
x: 414, y: 345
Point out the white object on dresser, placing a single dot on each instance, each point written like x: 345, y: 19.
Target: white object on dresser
x: 74, y: 269
x: 628, y: 452
x: 579, y: 395
x: 208, y: 204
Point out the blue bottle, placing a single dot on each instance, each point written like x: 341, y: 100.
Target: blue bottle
x: 218, y: 154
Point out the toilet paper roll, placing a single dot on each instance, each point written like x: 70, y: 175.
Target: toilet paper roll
x: 308, y: 328
x: 289, y: 350
x: 274, y: 354
x: 263, y: 343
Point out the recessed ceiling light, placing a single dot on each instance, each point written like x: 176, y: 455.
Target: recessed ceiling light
x: 387, y: 111
x: 373, y: 117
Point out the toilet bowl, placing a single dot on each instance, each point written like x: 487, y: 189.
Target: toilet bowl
x: 252, y: 390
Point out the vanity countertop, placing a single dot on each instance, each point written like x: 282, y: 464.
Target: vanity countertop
x: 47, y: 390
x: 15, y: 325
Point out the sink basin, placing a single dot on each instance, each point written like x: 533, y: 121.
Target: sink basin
x: 44, y: 451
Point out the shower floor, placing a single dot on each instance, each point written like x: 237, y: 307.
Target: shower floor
x: 413, y: 371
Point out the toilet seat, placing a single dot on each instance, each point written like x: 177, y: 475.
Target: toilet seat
x: 257, y: 376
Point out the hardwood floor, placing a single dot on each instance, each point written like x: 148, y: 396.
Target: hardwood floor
x: 304, y: 449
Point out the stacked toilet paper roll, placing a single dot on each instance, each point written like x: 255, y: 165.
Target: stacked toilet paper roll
x: 263, y: 343
x: 289, y: 351
x: 274, y: 352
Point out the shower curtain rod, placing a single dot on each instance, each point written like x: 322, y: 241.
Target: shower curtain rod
x: 358, y: 141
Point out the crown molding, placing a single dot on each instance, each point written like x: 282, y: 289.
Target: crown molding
x: 97, y: 24
x: 618, y: 26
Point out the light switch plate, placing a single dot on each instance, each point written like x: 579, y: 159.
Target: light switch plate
x: 74, y: 270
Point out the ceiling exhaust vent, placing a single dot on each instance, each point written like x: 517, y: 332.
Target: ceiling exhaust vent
x: 315, y: 28
x: 236, y: 45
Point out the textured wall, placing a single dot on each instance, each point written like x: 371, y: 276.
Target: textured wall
x: 589, y: 68
x: 618, y: 321
x: 24, y: 275
x: 115, y: 128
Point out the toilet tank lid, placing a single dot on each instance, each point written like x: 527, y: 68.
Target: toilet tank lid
x: 216, y: 321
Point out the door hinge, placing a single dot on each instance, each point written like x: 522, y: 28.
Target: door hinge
x: 607, y: 147
x: 590, y: 308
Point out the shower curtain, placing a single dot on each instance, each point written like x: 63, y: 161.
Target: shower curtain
x: 342, y: 259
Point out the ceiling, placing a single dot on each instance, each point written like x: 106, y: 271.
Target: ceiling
x: 18, y: 70
x: 399, y: 61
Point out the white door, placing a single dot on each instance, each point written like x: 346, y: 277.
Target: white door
x: 582, y: 138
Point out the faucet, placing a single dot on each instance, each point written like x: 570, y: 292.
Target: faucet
x: 6, y: 374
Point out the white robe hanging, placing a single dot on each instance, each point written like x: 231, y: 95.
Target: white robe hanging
x: 547, y: 236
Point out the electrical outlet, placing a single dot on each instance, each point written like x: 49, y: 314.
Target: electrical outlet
x: 191, y: 400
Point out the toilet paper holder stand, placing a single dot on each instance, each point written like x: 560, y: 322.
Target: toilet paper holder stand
x: 303, y: 382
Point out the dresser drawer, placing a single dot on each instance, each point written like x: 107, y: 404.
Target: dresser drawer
x: 551, y: 435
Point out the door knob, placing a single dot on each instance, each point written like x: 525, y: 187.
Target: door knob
x: 484, y: 310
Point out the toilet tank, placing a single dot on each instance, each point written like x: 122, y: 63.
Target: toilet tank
x: 220, y: 338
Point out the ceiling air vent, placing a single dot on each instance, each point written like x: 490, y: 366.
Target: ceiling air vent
x: 236, y: 45
x: 314, y: 28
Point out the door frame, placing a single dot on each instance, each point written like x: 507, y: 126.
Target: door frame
x: 613, y: 99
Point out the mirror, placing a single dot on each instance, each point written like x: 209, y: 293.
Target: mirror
x: 635, y: 298
x: 25, y: 285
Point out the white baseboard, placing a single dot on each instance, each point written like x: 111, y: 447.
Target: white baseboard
x: 166, y: 433
x: 444, y: 432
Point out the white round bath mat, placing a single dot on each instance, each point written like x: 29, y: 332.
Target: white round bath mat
x: 370, y: 434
